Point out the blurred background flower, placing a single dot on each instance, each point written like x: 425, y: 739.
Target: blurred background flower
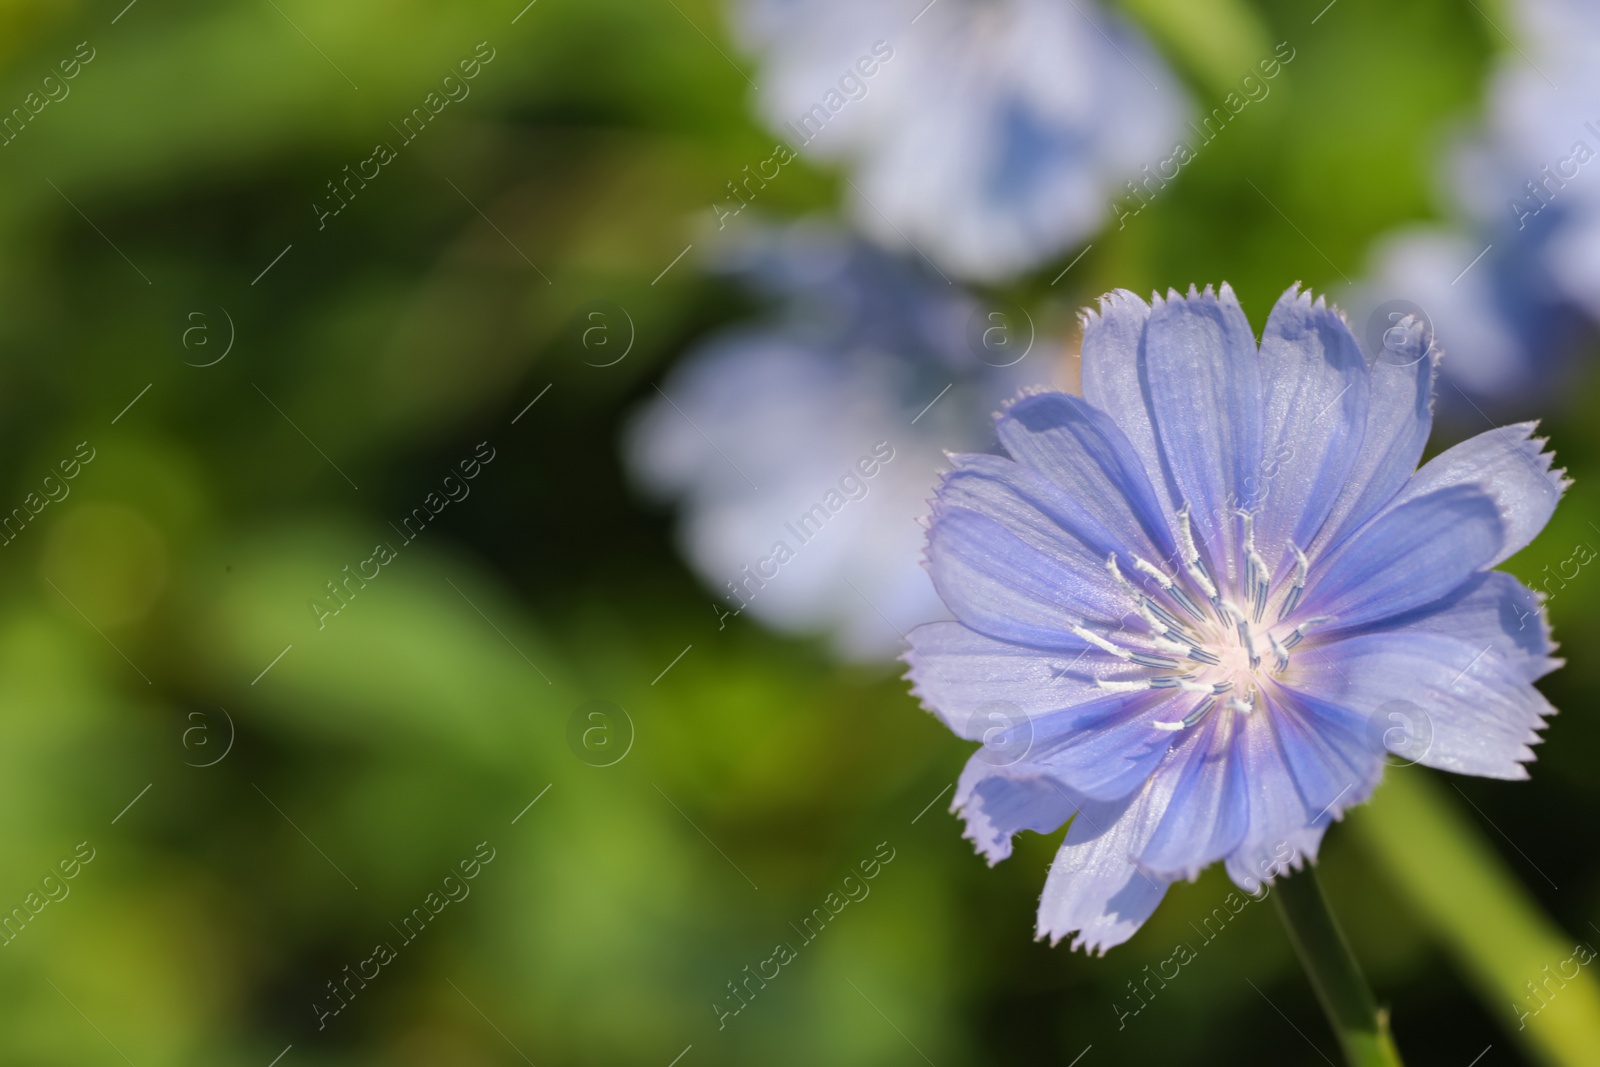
x: 1511, y: 282
x: 865, y: 371
x: 989, y: 135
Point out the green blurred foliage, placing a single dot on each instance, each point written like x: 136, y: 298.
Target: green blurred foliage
x: 287, y: 812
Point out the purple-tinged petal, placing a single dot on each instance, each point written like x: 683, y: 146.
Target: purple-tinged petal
x: 1328, y: 751
x: 1409, y: 556
x: 1478, y: 713
x: 1200, y: 790
x: 1083, y: 453
x: 1042, y: 711
x: 1509, y: 464
x: 1094, y: 890
x: 963, y: 675
x: 1203, y: 377
x: 1279, y: 821
x: 1399, y: 418
x: 1284, y: 831
x: 1493, y: 611
x: 1113, y: 351
x: 999, y: 802
x: 1103, y: 750
x: 1315, y: 385
x: 1006, y: 567
x: 1306, y: 763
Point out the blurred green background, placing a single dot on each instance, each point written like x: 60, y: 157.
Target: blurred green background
x: 297, y: 791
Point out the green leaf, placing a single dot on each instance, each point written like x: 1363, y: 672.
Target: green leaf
x: 1479, y: 912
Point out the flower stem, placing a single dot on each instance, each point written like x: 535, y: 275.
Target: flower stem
x: 1363, y: 1030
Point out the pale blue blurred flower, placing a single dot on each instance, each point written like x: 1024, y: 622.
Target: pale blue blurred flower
x: 1188, y: 602
x: 991, y: 136
x: 866, y: 357
x: 1523, y: 190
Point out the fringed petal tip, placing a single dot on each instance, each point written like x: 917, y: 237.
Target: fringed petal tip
x: 1093, y: 942
x: 993, y: 847
x: 916, y: 663
x: 999, y: 802
x: 1308, y: 306
x: 1110, y: 304
x: 1260, y: 868
x: 1079, y: 940
x: 1307, y: 301
x: 1218, y: 294
x: 1026, y: 393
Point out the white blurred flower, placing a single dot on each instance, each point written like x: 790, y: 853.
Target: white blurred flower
x: 990, y: 135
x: 822, y: 431
x: 1513, y: 281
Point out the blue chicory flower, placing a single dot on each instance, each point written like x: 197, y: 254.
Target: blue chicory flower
x: 1189, y: 602
x: 989, y: 136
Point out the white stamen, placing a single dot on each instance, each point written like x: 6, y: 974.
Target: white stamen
x: 1302, y: 567
x: 1248, y: 639
x: 1153, y: 571
x: 1138, y: 685
x: 1301, y: 631
x: 1101, y: 643
x: 1197, y: 571
x: 1201, y: 712
x: 1255, y: 568
x: 1280, y: 652
x: 1175, y: 647
x: 1166, y: 583
x: 1170, y: 621
x: 1186, y: 602
x: 1156, y: 623
x: 1261, y: 586
x: 1117, y: 576
x: 1186, y: 546
x: 1230, y: 632
x: 1190, y: 719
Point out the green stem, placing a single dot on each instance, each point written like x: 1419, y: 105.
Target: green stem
x: 1362, y: 1029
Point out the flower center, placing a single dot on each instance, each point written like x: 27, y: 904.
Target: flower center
x: 1220, y: 644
